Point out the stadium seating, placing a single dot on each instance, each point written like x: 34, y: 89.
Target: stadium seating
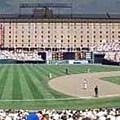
x: 87, y: 114
x: 20, y: 55
x: 111, y: 50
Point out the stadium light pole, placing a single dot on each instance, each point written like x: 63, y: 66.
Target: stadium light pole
x: 93, y: 57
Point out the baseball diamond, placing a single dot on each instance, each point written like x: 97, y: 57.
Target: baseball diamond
x: 73, y: 85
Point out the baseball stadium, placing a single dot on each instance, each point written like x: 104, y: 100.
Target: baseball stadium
x: 52, y: 62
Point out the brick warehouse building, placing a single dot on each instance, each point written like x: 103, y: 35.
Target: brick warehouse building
x: 48, y: 31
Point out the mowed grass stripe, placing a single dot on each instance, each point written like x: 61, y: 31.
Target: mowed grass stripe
x: 26, y: 92
x: 31, y: 83
x: 41, y: 81
x: 3, y: 76
x: 45, y: 80
x: 47, y: 69
x: 36, y: 77
x: 42, y: 74
x: 61, y: 69
x: 55, y: 71
x: 7, y: 92
x: 17, y: 93
x: 74, y: 69
x: 1, y: 68
x: 42, y: 69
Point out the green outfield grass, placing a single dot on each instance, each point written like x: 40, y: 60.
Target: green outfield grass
x: 115, y: 80
x: 26, y: 87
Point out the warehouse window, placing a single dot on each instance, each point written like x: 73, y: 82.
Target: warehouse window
x: 61, y: 36
x: 48, y: 40
x: 113, y: 36
x: 87, y: 36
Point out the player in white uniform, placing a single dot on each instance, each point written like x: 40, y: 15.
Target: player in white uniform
x: 85, y: 84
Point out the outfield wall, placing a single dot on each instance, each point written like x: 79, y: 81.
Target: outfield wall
x: 12, y: 61
x: 108, y: 62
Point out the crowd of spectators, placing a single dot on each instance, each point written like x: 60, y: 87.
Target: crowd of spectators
x: 108, y: 46
x: 112, y: 56
x: 87, y: 114
x: 111, y: 50
x: 20, y: 55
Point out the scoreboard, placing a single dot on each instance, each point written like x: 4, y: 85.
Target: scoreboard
x: 57, y: 56
x: 68, y: 55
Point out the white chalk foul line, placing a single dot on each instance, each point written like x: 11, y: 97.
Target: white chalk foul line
x: 35, y: 100
x: 59, y: 99
x: 100, y: 96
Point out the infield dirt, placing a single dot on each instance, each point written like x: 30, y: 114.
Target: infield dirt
x: 73, y: 85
